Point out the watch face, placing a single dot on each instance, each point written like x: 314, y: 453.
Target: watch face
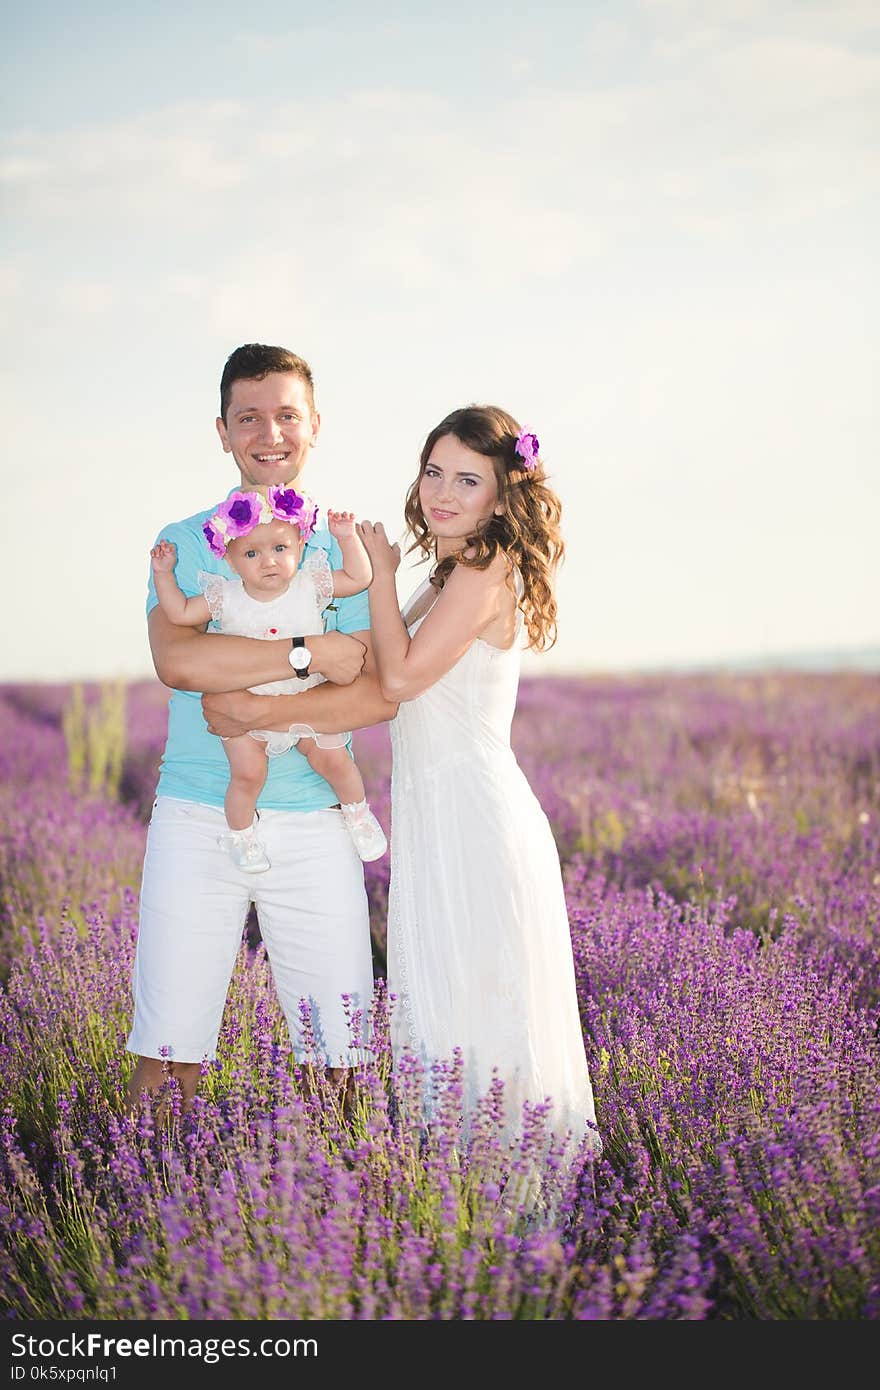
x: 300, y: 658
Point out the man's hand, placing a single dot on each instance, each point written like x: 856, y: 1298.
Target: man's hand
x: 236, y: 712
x: 337, y: 656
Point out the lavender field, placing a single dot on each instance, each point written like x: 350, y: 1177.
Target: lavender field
x: 720, y: 838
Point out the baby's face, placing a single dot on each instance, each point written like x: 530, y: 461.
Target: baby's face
x: 267, y: 558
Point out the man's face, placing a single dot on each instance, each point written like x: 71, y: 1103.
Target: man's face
x: 269, y: 428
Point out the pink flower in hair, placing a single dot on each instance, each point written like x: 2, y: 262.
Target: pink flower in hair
x: 527, y: 447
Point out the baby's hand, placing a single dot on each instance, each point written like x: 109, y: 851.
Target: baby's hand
x: 341, y: 524
x: 163, y: 557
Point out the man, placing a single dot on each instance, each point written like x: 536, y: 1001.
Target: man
x: 311, y: 904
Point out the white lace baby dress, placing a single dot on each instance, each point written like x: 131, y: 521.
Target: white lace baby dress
x: 295, y: 613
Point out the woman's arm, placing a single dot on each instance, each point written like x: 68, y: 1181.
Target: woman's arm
x: 187, y: 659
x: 328, y: 709
x: 469, y: 601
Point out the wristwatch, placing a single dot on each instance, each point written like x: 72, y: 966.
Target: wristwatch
x: 299, y: 657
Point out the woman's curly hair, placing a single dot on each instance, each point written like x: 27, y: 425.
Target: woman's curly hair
x: 528, y: 529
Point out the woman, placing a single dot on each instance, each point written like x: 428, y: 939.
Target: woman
x: 479, y: 948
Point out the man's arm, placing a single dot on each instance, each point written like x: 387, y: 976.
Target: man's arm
x: 192, y: 659
x: 328, y: 709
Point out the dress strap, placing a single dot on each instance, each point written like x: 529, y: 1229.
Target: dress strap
x: 413, y: 599
x: 520, y: 588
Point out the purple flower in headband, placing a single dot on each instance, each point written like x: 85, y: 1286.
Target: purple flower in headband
x: 289, y: 505
x: 215, y: 540
x: 241, y: 512
x: 527, y: 447
x: 286, y: 503
x: 238, y: 515
x: 310, y: 518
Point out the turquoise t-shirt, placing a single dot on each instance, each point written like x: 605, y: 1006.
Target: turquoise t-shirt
x: 194, y: 766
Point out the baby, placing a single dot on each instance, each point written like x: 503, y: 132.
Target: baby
x: 262, y: 537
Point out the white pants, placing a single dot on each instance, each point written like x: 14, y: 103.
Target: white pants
x: 312, y: 910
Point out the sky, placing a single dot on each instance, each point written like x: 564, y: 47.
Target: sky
x: 647, y: 228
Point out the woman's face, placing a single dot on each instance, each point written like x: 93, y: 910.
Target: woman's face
x: 457, y: 491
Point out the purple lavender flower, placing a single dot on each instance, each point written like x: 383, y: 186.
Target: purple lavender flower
x: 720, y: 840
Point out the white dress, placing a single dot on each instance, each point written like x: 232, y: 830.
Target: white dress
x: 295, y: 613
x: 479, y: 944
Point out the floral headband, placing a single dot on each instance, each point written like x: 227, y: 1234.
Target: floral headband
x: 241, y: 512
x: 527, y: 447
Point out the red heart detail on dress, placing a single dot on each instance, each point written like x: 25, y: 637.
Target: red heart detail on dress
x: 274, y: 631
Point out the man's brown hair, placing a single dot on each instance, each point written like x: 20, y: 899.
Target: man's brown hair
x: 253, y: 362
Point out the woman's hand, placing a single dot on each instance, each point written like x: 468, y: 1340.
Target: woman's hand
x: 384, y: 557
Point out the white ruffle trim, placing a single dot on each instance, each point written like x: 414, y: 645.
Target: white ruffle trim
x: 317, y: 566
x: 212, y: 585
x: 277, y: 742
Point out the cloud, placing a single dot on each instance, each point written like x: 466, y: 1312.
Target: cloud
x: 847, y: 21
x: 661, y: 265
x: 722, y: 132
x: 22, y: 170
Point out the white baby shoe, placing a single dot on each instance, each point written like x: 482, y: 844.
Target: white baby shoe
x: 246, y: 850
x: 364, y: 829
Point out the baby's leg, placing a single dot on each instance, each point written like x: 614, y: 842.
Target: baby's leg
x: 248, y: 765
x: 336, y: 767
